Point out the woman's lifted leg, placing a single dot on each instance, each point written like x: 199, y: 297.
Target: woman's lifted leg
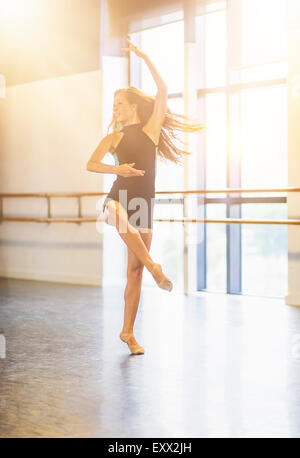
x: 117, y: 216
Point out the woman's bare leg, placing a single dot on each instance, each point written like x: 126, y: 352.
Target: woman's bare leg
x: 134, y: 285
x: 117, y: 216
x: 132, y: 296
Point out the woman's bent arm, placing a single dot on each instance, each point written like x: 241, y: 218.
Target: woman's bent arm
x: 100, y: 167
x: 94, y: 164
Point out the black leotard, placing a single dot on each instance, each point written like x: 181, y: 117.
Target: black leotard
x: 136, y: 146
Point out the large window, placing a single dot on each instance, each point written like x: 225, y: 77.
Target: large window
x: 242, y: 87
x: 242, y: 98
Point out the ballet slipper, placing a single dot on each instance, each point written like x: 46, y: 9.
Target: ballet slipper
x: 162, y: 281
x: 135, y: 349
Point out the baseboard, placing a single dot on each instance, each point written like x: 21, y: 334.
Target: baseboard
x: 293, y: 299
x: 52, y: 277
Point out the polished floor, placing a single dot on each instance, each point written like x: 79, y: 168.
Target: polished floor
x: 214, y: 365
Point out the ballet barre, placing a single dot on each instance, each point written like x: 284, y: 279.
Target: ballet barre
x: 80, y: 219
x: 169, y: 220
x: 189, y: 191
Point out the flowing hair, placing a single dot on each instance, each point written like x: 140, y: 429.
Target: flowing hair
x: 172, y: 122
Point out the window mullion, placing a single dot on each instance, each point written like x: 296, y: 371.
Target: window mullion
x: 233, y: 107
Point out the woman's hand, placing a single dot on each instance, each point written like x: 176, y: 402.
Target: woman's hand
x: 134, y: 48
x: 127, y: 170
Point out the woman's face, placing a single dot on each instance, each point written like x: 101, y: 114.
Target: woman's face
x: 124, y: 112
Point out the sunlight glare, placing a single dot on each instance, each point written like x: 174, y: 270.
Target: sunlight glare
x: 14, y: 13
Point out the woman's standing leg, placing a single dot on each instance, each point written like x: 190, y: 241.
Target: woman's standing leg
x: 132, y: 296
x: 134, y: 284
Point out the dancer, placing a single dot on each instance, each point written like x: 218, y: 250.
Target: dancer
x: 143, y: 127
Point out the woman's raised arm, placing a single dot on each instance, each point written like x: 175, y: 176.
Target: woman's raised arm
x: 154, y: 124
x: 154, y: 72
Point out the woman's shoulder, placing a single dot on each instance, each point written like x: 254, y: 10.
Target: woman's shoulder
x: 114, y: 139
x: 114, y: 142
x: 150, y: 134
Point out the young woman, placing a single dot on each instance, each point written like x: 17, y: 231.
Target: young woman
x: 143, y: 127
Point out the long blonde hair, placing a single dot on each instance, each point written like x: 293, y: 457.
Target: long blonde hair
x: 172, y: 122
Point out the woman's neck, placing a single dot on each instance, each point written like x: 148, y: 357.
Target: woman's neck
x: 132, y: 121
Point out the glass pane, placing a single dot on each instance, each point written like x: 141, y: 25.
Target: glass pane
x: 263, y: 26
x: 264, y: 72
x: 264, y: 251
x: 216, y: 249
x: 264, y: 137
x: 215, y: 120
x: 211, y: 28
x: 165, y: 46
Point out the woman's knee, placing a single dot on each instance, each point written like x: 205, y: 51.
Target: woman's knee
x: 135, y: 271
x: 112, y: 213
x: 117, y: 216
x: 109, y: 214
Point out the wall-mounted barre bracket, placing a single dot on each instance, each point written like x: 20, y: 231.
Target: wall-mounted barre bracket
x: 48, y: 207
x: 79, y: 208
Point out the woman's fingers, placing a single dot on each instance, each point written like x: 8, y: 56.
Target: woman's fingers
x: 132, y: 46
x: 129, y: 41
x: 137, y: 172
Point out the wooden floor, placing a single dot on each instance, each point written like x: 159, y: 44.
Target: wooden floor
x: 214, y: 365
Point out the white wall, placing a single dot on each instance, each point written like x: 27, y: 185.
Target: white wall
x: 49, y: 130
x: 293, y: 297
